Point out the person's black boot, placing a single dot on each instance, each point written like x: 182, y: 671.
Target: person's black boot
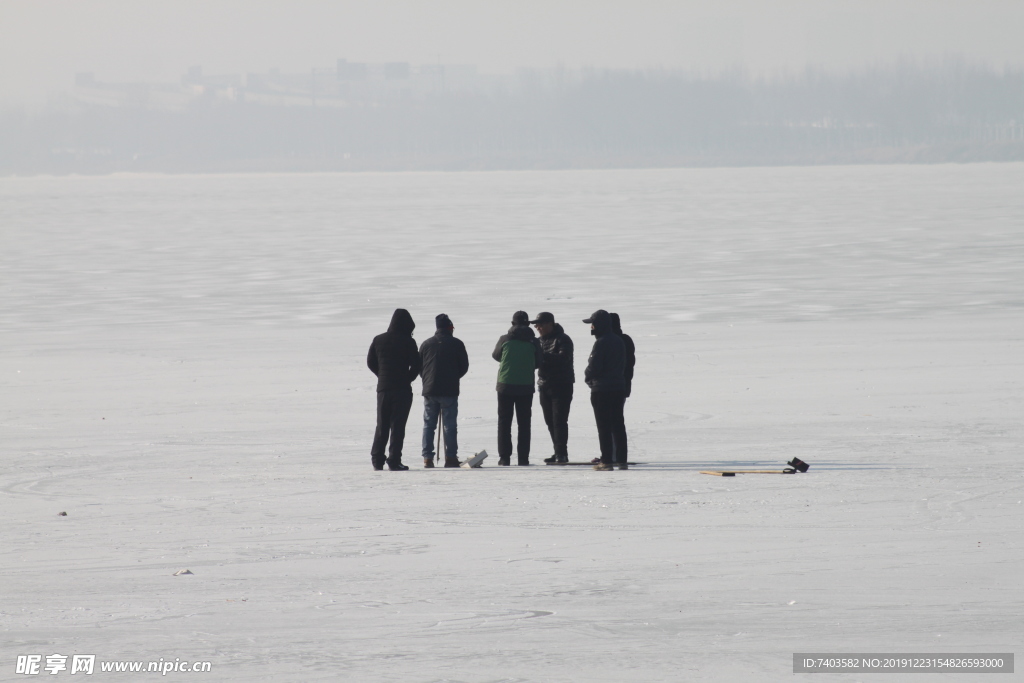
x: 377, y: 464
x: 552, y: 460
x: 523, y: 462
x: 452, y: 462
x: 504, y: 462
x: 396, y: 466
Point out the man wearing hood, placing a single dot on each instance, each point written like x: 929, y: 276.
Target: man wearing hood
x: 605, y: 375
x: 518, y: 354
x: 445, y: 362
x: 630, y: 358
x: 554, y: 383
x: 393, y: 357
x: 630, y: 352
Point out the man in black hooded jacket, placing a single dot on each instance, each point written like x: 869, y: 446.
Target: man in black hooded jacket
x: 555, y: 378
x: 630, y: 352
x: 627, y: 369
x: 394, y: 358
x: 605, y: 375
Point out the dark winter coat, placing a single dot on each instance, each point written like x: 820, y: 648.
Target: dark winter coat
x: 630, y: 352
x: 519, y: 354
x: 445, y: 362
x: 556, y: 368
x: 393, y: 356
x: 606, y: 365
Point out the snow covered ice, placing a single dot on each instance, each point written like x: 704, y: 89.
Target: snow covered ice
x: 183, y: 369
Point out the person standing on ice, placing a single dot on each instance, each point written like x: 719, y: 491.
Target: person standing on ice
x: 519, y: 355
x: 394, y: 358
x: 445, y: 362
x: 630, y: 362
x: 605, y: 375
x: 554, y: 383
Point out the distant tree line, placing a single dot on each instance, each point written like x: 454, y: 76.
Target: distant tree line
x: 548, y: 119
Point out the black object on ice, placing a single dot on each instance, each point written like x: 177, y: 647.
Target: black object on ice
x: 795, y: 465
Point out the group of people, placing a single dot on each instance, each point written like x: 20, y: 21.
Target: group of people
x: 522, y: 355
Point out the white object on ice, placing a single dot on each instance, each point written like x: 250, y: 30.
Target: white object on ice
x: 182, y: 571
x: 476, y: 460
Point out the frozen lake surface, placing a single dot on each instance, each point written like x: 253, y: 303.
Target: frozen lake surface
x: 183, y: 373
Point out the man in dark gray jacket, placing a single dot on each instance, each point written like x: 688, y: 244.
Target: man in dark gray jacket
x: 605, y: 375
x: 445, y: 362
x: 555, y: 378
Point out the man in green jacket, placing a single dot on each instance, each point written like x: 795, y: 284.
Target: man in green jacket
x: 519, y: 355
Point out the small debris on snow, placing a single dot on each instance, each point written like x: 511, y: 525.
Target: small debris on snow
x: 62, y: 514
x: 792, y: 602
x: 181, y: 572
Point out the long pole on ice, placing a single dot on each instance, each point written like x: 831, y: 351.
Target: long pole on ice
x: 437, y: 454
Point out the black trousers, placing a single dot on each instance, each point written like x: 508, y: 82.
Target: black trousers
x: 523, y: 408
x: 555, y: 401
x: 392, y: 413
x: 611, y: 425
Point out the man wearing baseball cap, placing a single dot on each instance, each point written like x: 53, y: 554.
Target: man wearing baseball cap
x: 518, y: 354
x: 554, y: 383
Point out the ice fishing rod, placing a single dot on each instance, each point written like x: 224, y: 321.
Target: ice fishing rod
x: 437, y: 453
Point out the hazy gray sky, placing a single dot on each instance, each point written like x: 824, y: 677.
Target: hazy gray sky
x: 44, y: 42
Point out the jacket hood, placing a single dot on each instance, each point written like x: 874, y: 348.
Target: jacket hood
x: 616, y: 323
x: 520, y: 332
x: 555, y: 331
x: 401, y: 322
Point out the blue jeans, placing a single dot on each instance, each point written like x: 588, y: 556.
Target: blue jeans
x: 449, y: 409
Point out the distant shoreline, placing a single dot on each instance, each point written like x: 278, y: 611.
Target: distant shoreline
x: 884, y: 156
x: 903, y: 114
